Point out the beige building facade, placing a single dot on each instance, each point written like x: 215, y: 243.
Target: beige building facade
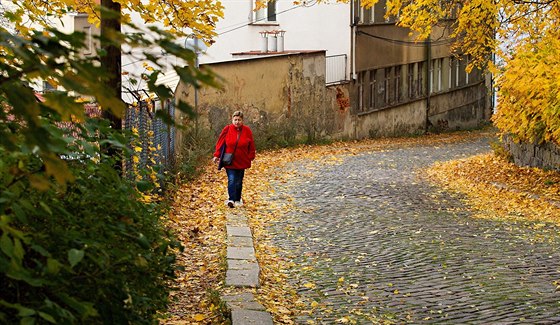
x: 395, y: 86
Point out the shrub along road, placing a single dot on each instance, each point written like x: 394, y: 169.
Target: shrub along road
x: 368, y: 232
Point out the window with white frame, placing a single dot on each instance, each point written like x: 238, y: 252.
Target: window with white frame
x: 367, y: 15
x: 439, y: 74
x: 451, y: 72
x: 457, y: 72
x: 266, y: 14
x: 466, y: 73
x: 361, y: 77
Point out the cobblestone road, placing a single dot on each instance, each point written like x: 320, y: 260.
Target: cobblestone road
x: 372, y: 241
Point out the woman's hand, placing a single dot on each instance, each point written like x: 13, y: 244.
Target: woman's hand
x: 215, y: 160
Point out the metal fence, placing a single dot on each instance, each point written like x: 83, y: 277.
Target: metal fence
x: 154, y: 146
x: 336, y: 68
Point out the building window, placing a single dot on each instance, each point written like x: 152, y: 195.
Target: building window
x: 439, y: 74
x: 466, y: 73
x: 410, y: 81
x: 431, y: 77
x: 361, y: 91
x: 266, y: 14
x: 367, y: 16
x: 420, y: 79
x: 451, y: 73
x: 398, y: 84
x: 380, y: 85
x: 436, y: 75
x: 387, y: 97
x: 461, y: 73
x: 372, y: 89
x: 379, y: 12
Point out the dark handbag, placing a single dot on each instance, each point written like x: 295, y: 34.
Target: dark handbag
x: 221, y: 160
x: 227, y: 158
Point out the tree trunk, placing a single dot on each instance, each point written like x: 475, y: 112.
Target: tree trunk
x: 111, y: 61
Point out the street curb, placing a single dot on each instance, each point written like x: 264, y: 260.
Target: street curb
x: 242, y: 273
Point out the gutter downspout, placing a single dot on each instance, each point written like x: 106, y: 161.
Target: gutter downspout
x: 429, y: 82
x: 353, y: 45
x: 353, y: 58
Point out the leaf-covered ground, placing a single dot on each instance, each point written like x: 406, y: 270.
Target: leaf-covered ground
x: 491, y: 186
x: 497, y: 188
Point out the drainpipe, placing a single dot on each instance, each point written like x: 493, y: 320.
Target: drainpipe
x: 353, y: 45
x: 429, y: 82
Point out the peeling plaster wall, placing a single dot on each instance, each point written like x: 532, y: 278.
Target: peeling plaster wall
x: 395, y: 121
x: 460, y: 109
x: 453, y: 110
x: 283, y: 98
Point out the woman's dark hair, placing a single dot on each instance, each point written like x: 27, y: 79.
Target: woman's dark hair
x: 237, y: 113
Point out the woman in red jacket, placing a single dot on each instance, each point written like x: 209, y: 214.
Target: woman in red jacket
x: 238, y: 140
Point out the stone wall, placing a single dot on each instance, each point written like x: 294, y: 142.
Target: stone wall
x: 546, y: 156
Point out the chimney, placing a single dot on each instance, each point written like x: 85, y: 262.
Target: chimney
x: 272, y: 46
x: 264, y: 42
x: 280, y: 40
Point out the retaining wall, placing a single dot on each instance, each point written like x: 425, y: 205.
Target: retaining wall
x: 546, y: 156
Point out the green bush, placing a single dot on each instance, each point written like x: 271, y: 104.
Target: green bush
x: 79, y: 243
x: 91, y: 251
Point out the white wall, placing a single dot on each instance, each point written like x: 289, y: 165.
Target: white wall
x: 311, y: 27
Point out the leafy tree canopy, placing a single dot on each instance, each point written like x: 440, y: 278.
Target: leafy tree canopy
x: 175, y: 16
x: 517, y: 40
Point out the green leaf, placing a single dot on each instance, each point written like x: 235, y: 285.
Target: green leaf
x: 47, y: 317
x: 22, y: 311
x: 27, y: 321
x: 75, y: 256
x: 18, y: 250
x: 143, y: 241
x: 41, y: 250
x: 144, y: 186
x: 7, y: 245
x: 53, y: 266
x: 45, y: 207
x: 85, y: 309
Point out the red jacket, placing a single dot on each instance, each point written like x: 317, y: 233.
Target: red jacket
x: 245, y: 151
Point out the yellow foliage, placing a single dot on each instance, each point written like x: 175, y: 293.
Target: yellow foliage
x: 498, y: 189
x: 199, y: 16
x: 523, y: 35
x: 530, y: 91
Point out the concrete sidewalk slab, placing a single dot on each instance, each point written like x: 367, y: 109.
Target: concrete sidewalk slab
x: 243, y: 273
x: 249, y: 317
x: 241, y: 253
x: 239, y: 231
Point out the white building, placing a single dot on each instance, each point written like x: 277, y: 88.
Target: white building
x: 307, y: 26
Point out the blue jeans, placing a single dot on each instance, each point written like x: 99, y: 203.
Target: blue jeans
x: 235, y: 183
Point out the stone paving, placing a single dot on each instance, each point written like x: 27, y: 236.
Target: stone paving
x: 242, y: 273
x: 372, y: 241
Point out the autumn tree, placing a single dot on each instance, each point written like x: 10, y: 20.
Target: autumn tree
x: 516, y: 40
x: 66, y: 255
x: 177, y: 17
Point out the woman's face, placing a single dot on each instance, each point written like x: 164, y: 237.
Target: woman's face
x: 237, y: 121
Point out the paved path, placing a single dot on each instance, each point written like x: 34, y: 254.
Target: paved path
x: 372, y: 242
